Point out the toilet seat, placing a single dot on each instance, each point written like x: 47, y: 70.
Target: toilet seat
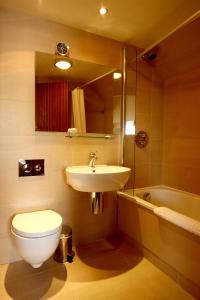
x: 36, y: 224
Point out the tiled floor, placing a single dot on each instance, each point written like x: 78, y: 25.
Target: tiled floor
x: 105, y: 270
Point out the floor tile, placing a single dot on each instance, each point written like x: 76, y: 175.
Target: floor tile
x: 106, y: 269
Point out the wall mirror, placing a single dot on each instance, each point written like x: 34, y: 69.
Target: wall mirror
x: 86, y: 96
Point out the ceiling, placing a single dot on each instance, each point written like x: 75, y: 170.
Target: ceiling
x: 139, y: 22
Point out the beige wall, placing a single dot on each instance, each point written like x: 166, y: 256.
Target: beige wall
x: 21, y: 35
x: 180, y: 62
x: 168, y: 108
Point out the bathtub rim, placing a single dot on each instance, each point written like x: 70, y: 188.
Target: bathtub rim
x: 187, y: 223
x: 165, y: 187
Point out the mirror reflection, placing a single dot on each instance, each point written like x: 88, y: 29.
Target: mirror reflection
x: 86, y: 97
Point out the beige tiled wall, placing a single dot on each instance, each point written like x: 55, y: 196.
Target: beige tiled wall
x: 181, y: 136
x: 21, y: 35
x: 168, y: 108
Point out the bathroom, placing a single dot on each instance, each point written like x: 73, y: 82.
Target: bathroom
x: 164, y: 104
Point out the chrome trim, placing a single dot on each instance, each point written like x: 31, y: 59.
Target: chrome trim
x: 123, y: 105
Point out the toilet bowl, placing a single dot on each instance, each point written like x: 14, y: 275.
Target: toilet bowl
x: 36, y: 235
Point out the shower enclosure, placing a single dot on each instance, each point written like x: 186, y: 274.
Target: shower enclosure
x: 162, y: 99
x: 160, y: 209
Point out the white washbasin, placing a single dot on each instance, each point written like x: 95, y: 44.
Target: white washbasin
x: 99, y: 179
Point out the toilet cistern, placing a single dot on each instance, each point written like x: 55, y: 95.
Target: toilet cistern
x: 92, y: 160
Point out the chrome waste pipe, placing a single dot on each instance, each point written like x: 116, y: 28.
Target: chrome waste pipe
x: 96, y: 202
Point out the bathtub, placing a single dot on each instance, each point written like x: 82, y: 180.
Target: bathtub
x: 178, y: 207
x: 165, y: 223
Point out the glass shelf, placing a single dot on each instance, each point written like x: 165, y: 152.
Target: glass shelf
x: 90, y: 135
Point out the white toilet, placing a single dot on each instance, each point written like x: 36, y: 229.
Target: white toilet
x: 36, y: 235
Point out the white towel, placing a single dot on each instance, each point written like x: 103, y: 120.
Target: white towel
x: 78, y: 106
x: 178, y: 219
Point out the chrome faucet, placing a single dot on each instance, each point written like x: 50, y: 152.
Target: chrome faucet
x: 92, y: 160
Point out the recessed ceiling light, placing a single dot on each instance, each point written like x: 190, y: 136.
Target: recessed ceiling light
x: 103, y: 11
x: 117, y: 75
x: 63, y: 64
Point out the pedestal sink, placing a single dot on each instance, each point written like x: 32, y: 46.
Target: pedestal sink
x: 101, y: 178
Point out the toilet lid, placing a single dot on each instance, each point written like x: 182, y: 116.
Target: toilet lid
x: 37, y: 223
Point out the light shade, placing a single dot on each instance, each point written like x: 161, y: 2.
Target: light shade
x: 63, y: 64
x: 117, y: 75
x: 103, y: 11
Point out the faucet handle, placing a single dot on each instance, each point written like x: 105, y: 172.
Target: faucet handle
x: 92, y: 155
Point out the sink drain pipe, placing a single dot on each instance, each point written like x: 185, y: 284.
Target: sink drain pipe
x: 96, y: 202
